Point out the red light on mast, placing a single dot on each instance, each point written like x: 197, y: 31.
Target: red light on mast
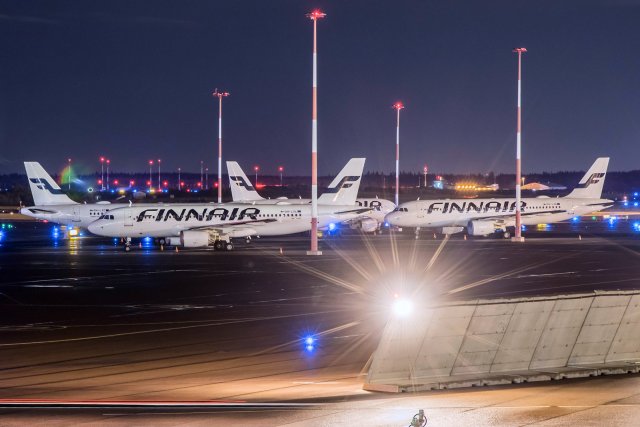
x: 316, y: 14
x: 398, y: 105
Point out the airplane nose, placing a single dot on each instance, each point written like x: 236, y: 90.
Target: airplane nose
x: 94, y: 228
x: 391, y: 218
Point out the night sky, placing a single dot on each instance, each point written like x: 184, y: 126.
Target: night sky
x: 132, y: 80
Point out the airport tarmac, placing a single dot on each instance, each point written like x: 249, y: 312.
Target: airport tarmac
x: 85, y: 322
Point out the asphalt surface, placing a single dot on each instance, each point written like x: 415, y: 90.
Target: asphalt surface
x: 83, y: 322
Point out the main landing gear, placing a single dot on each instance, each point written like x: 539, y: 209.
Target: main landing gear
x: 221, y: 245
x: 127, y: 244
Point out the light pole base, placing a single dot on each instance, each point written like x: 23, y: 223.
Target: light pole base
x: 314, y: 252
x: 517, y: 239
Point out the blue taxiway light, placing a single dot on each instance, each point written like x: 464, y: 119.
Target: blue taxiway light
x: 309, y: 343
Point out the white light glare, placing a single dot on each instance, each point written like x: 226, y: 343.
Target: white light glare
x: 402, y: 307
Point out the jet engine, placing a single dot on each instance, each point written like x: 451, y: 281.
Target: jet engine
x: 482, y: 228
x: 194, y: 239
x: 368, y: 225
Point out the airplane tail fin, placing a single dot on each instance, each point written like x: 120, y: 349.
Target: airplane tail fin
x: 44, y: 189
x: 241, y: 188
x: 343, y: 190
x: 590, y: 186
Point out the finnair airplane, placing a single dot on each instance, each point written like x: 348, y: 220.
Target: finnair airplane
x: 483, y: 217
x: 199, y: 225
x: 243, y: 191
x: 51, y: 204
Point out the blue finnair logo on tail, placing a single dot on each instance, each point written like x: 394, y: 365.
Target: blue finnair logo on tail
x: 593, y: 179
x: 240, y: 182
x: 43, y: 184
x: 345, y: 182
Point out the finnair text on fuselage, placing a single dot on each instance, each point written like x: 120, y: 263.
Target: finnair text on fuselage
x: 206, y: 214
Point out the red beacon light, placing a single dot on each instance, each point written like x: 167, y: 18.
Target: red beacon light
x: 115, y: 182
x: 165, y: 183
x: 131, y: 182
x: 316, y: 14
x: 398, y: 105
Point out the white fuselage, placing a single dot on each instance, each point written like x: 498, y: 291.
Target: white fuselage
x: 76, y: 215
x: 234, y: 219
x: 459, y: 212
x: 379, y: 207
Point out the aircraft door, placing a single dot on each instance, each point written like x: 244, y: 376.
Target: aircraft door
x: 128, y: 217
x: 76, y: 214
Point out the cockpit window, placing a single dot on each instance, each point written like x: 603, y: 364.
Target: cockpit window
x: 107, y: 217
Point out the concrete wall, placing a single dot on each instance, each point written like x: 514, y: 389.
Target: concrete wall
x: 509, y: 340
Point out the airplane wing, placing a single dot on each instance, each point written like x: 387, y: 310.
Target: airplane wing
x: 355, y: 211
x: 527, y: 214
x: 235, y: 224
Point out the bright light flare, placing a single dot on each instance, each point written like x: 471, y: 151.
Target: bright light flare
x: 402, y: 307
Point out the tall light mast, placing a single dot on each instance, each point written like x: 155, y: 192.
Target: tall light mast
x: 159, y: 180
x: 314, y: 16
x: 397, y: 106
x: 102, y: 173
x: 108, y: 164
x: 150, y: 176
x: 518, y: 234
x: 69, y: 174
x: 220, y: 95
